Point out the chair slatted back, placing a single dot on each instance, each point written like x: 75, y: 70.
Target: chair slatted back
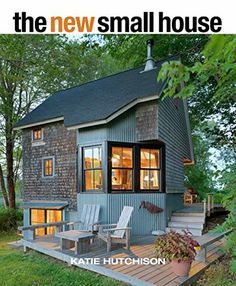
x: 123, y: 221
x: 89, y: 216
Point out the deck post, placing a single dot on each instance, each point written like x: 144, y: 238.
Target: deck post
x: 202, y: 255
x: 128, y: 238
x: 212, y: 203
x: 25, y: 249
x: 209, y: 205
x: 204, y: 209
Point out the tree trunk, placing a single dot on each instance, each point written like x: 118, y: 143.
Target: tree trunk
x: 3, y: 188
x: 10, y: 173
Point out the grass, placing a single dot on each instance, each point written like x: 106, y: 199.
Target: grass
x: 34, y: 269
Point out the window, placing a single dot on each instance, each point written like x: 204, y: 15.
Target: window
x: 39, y: 216
x: 48, y: 167
x: 37, y: 134
x: 122, y: 168
x: 149, y: 169
x: 136, y: 167
x: 92, y: 168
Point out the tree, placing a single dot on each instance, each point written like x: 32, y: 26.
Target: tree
x: 200, y: 175
x: 31, y: 68
x: 210, y: 84
x: 131, y: 49
x: 212, y: 81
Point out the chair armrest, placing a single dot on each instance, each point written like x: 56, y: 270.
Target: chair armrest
x: 117, y: 228
x: 102, y: 226
x: 109, y: 224
x: 73, y: 222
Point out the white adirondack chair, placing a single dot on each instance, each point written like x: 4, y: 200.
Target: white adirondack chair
x: 88, y: 220
x: 117, y: 233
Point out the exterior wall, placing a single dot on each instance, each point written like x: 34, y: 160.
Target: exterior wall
x: 120, y: 129
x: 142, y: 222
x: 172, y: 131
x: 123, y: 128
x: 60, y: 143
x: 149, y: 121
x: 173, y: 202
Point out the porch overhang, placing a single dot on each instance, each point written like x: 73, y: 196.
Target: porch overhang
x: 53, y: 205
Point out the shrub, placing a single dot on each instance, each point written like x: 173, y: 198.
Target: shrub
x: 178, y: 246
x: 218, y: 197
x: 218, y: 274
x: 229, y: 202
x: 10, y: 219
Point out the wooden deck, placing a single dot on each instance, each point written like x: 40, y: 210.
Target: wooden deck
x: 135, y: 274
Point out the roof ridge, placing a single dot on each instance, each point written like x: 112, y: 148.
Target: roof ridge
x: 114, y: 74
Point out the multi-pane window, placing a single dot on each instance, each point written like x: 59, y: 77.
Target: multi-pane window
x: 92, y: 168
x: 122, y: 168
x: 39, y: 216
x: 37, y: 134
x: 149, y: 169
x: 48, y: 167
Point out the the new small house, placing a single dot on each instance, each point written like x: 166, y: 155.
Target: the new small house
x: 112, y: 142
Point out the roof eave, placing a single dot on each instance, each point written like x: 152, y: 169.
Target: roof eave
x: 56, y: 119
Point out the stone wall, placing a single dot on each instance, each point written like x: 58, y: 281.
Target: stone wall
x: 60, y: 143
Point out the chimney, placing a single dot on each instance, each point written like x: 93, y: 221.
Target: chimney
x: 150, y: 63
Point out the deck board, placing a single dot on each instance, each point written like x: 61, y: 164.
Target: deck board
x: 139, y: 275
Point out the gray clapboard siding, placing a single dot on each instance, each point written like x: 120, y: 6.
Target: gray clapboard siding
x: 142, y: 222
x: 120, y: 129
x: 172, y: 131
x: 91, y: 135
x: 173, y: 202
x: 93, y: 198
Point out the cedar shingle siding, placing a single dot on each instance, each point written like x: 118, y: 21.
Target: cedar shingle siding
x: 61, y: 144
x: 146, y: 121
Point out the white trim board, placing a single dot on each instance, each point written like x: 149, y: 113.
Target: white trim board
x: 39, y: 123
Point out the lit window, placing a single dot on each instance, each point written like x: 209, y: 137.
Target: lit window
x: 122, y: 168
x: 149, y: 169
x: 48, y: 167
x: 39, y: 216
x: 92, y: 168
x: 37, y: 134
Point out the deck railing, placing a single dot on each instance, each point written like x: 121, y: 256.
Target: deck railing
x: 210, y: 204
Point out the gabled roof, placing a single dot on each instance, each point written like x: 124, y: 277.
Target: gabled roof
x: 98, y: 100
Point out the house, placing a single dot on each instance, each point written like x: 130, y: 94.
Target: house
x: 113, y: 142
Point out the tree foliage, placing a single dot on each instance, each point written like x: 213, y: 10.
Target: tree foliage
x: 210, y: 82
x: 31, y: 68
x: 229, y: 201
x: 131, y: 49
x: 200, y: 175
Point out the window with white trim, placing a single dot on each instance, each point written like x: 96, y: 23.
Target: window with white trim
x: 48, y: 166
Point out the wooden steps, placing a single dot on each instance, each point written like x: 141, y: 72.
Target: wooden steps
x: 187, y: 220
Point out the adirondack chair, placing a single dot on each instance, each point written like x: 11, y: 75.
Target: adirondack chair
x: 88, y: 220
x: 117, y: 233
